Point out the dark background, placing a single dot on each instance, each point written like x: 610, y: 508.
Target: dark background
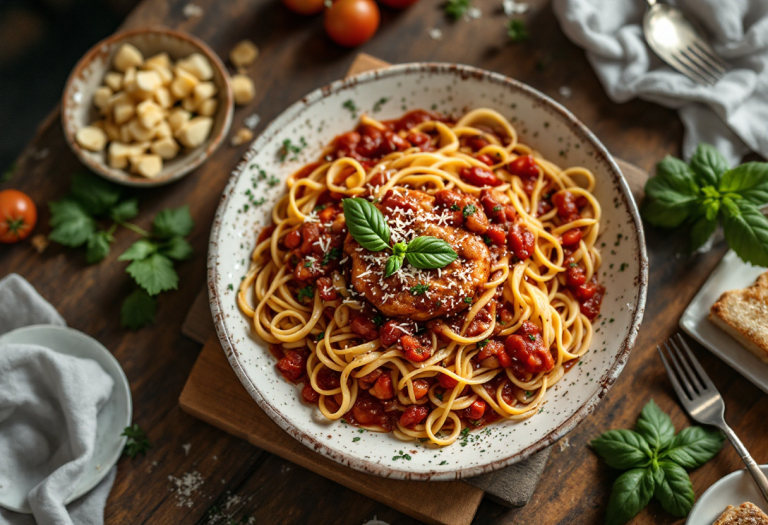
x: 40, y: 42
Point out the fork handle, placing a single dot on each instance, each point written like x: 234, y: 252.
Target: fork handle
x: 752, y: 466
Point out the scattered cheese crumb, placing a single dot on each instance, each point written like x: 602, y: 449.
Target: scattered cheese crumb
x: 473, y: 13
x: 185, y: 487
x: 564, y: 443
x: 511, y: 7
x: 186, y: 448
x: 375, y: 521
x: 191, y: 10
x: 251, y: 121
x: 566, y: 92
x: 436, y: 34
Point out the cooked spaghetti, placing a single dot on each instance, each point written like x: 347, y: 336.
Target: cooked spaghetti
x: 426, y: 353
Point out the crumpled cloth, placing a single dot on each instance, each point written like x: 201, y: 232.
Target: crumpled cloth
x: 731, y: 115
x: 48, y: 408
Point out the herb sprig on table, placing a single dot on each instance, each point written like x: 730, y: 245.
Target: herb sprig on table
x: 137, y: 442
x: 369, y: 228
x: 455, y: 9
x: 705, y: 193
x: 79, y: 220
x: 655, y: 459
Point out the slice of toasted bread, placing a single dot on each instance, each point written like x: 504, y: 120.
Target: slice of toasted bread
x: 745, y: 514
x: 743, y: 314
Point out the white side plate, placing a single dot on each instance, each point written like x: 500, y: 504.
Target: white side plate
x: 734, y: 489
x: 732, y: 273
x: 113, y: 417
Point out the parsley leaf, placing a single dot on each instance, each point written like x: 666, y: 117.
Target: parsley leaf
x: 307, y: 292
x: 171, y: 223
x: 95, y: 194
x: 468, y: 300
x: 419, y: 289
x: 141, y: 249
x: 468, y: 210
x: 155, y: 274
x: 455, y: 9
x: 138, y: 310
x: 72, y: 225
x: 137, y: 442
x: 517, y: 31
x: 177, y: 248
x: 125, y: 210
x: 98, y: 246
x: 333, y: 253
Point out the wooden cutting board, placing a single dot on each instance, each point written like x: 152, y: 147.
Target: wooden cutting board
x: 214, y: 394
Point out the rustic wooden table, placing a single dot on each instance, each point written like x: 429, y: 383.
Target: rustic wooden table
x: 296, y: 57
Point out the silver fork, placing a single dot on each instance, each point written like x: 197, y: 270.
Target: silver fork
x: 701, y: 399
x: 679, y: 43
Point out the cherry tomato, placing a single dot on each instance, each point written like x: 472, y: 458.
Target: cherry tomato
x: 18, y: 216
x: 305, y: 7
x: 352, y: 22
x: 398, y: 4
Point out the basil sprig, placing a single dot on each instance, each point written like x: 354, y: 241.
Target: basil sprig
x: 706, y: 193
x: 655, y: 460
x: 369, y: 228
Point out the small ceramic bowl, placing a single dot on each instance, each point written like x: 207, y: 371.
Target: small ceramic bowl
x: 77, y: 109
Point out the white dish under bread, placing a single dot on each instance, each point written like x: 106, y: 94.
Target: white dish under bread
x: 743, y: 314
x: 734, y: 489
x: 731, y: 274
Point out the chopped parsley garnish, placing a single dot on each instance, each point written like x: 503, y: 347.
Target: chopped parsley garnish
x: 517, y: 31
x: 528, y: 393
x: 355, y: 439
x: 320, y: 336
x: 469, y: 209
x: 320, y: 207
x: 402, y: 456
x: 378, y: 320
x: 482, y: 344
x: 497, y: 208
x: 351, y: 107
x: 439, y: 396
x: 532, y: 338
x: 487, y: 240
x: 455, y: 207
x: 573, y: 265
x: 333, y: 253
x: 137, y: 442
x: 309, y: 263
x: 230, y: 287
x: 438, y: 304
x: 443, y: 462
x: 288, y: 149
x: 379, y: 103
x: 419, y: 289
x: 455, y: 9
x: 306, y: 293
x: 468, y: 300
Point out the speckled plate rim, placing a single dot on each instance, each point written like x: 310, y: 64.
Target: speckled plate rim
x: 183, y: 169
x: 463, y: 71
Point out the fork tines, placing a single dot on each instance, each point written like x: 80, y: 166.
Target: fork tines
x: 700, y: 63
x: 689, y: 379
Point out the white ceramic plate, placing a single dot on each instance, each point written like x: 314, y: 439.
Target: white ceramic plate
x: 730, y: 274
x: 113, y: 417
x: 734, y: 489
x: 542, y: 123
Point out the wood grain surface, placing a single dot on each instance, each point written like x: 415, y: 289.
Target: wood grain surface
x: 296, y: 57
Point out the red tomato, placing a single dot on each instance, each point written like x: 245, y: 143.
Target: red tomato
x: 352, y: 22
x: 18, y: 216
x: 305, y: 7
x: 398, y: 4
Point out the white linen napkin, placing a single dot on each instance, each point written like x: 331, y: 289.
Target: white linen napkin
x: 731, y: 115
x: 48, y: 408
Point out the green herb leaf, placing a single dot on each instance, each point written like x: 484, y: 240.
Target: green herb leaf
x: 177, y: 248
x: 622, y: 449
x: 98, y: 246
x: 746, y: 230
x: 419, y: 289
x: 675, y: 492
x: 139, y: 250
x: 671, y: 195
x: 366, y: 224
x: 137, y: 442
x: 517, y: 31
x: 138, y: 310
x: 308, y: 292
x: 631, y: 493
x: 655, y: 426
x: 95, y: 194
x: 469, y: 210
x: 750, y: 180
x: 394, y: 263
x: 455, y: 9
x: 430, y: 252
x: 172, y: 223
x: 702, y: 230
x: 708, y: 165
x: 694, y: 446
x: 155, y: 274
x: 331, y: 254
x: 125, y: 210
x: 72, y: 225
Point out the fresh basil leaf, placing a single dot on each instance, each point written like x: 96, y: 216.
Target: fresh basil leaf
x: 366, y: 224
x: 138, y: 310
x: 98, y: 247
x: 155, y: 274
x: 125, y: 210
x: 622, y: 449
x: 141, y: 249
x: 677, y: 175
x: 655, y: 426
x: 671, y: 195
x: 631, y: 493
x: 94, y: 193
x: 694, y: 446
x: 72, y: 225
x: 702, y: 230
x: 177, y: 248
x: 750, y: 180
x: 172, y: 223
x: 394, y: 263
x: 708, y: 165
x: 430, y: 252
x: 675, y: 492
x: 746, y: 231
x: 664, y: 213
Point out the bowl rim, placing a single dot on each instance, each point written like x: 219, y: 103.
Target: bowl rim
x: 465, y: 71
x: 183, y: 169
